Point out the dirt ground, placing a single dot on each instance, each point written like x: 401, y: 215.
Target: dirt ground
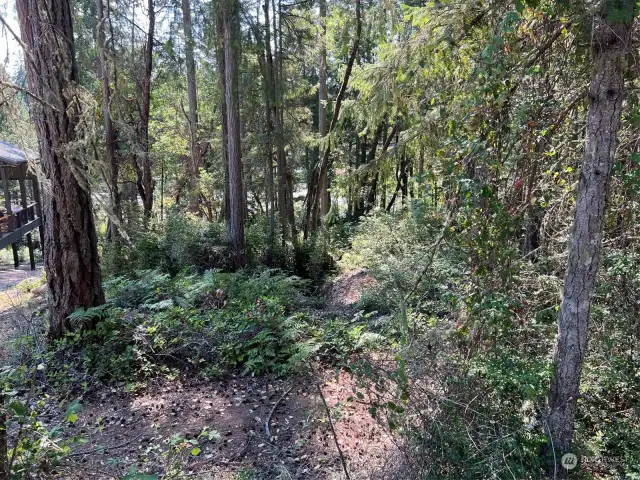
x: 125, y: 429
x: 13, y: 302
x: 344, y: 292
x: 217, y: 429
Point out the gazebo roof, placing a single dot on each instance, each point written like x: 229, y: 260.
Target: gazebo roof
x: 12, y: 155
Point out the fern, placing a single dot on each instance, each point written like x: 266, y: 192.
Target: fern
x: 157, y: 306
x: 81, y: 317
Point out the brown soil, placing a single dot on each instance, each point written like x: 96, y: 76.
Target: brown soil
x: 127, y: 430
x: 345, y: 291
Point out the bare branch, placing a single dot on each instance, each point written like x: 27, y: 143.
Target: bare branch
x: 27, y: 92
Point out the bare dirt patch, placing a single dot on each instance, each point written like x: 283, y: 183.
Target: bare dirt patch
x: 16, y: 305
x: 345, y: 291
x: 141, y: 429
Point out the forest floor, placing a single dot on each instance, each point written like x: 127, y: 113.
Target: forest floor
x: 217, y: 429
x: 13, y: 301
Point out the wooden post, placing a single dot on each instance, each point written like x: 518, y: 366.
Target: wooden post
x: 36, y: 198
x: 23, y: 197
x: 7, y: 204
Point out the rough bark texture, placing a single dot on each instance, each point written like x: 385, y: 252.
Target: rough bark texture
x: 71, y: 252
x: 610, y: 47
x: 4, y: 459
x: 236, y: 203
x: 220, y: 58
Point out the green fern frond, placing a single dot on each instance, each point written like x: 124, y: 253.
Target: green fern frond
x: 82, y: 317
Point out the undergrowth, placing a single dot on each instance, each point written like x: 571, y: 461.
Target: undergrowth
x: 206, y: 325
x: 464, y: 389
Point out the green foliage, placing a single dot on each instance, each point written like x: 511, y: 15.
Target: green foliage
x: 36, y: 447
x: 204, y: 324
x: 472, y: 344
x: 82, y: 318
x: 181, y: 242
x: 395, y: 251
x: 185, y: 242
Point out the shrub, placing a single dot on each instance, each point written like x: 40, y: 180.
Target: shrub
x: 205, y: 324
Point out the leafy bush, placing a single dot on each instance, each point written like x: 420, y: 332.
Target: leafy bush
x: 181, y: 242
x: 205, y: 324
x: 32, y: 445
x: 188, y: 243
x: 395, y: 251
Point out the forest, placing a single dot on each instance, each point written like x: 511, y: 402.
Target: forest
x: 320, y: 239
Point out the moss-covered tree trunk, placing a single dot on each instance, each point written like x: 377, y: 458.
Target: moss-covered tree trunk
x: 71, y: 245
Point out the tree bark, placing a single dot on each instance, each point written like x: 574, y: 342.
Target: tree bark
x: 220, y: 58
x: 267, y: 59
x: 236, y: 204
x: 281, y: 160
x: 291, y: 218
x: 4, y: 444
x: 311, y: 222
x: 71, y: 246
x: 143, y: 168
x: 192, y: 93
x: 610, y: 45
x: 323, y: 97
x: 109, y: 132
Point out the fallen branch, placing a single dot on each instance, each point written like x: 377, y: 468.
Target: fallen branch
x: 275, y: 405
x: 333, y: 431
x: 104, y: 449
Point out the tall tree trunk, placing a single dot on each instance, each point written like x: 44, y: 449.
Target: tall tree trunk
x: 4, y: 444
x: 323, y: 97
x: 109, y: 132
x: 273, y: 101
x: 311, y: 220
x: 281, y: 160
x: 71, y: 246
x: 268, y: 96
x: 291, y: 218
x: 220, y: 58
x: 143, y: 170
x: 610, y: 44
x: 231, y: 28
x: 192, y: 93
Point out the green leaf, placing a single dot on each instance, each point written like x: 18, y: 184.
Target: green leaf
x: 195, y: 451
x: 133, y: 474
x: 19, y: 408
x: 74, y: 407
